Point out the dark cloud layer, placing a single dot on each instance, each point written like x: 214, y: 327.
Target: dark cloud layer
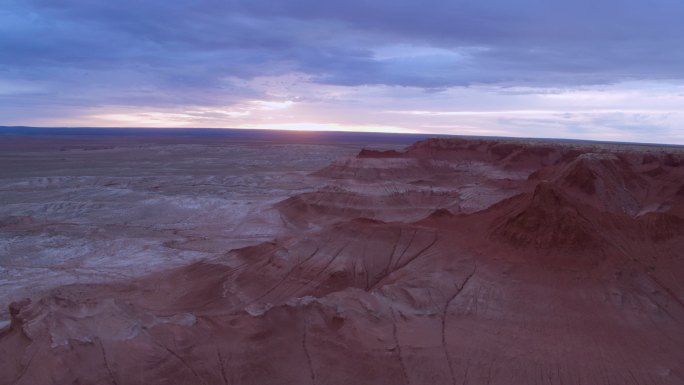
x: 169, y: 52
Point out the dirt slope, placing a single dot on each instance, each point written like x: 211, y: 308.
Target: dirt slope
x: 464, y: 261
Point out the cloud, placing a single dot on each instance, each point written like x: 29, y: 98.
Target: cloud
x: 194, y: 43
x: 183, y: 55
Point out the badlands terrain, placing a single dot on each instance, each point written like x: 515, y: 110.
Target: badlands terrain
x: 445, y: 261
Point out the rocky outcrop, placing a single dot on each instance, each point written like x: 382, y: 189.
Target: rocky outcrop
x: 465, y: 261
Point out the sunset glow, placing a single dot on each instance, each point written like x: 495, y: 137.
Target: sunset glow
x: 523, y: 70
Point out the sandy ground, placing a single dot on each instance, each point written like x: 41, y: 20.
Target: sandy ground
x: 89, y: 209
x: 452, y: 261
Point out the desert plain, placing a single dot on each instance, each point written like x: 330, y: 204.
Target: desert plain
x: 291, y: 259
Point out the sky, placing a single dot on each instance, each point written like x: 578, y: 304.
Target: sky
x: 585, y: 69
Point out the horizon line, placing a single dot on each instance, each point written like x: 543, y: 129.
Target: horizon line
x: 348, y: 132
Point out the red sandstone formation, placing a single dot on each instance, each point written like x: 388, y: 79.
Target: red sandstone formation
x: 457, y: 261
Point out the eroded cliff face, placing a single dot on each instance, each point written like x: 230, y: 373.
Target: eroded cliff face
x: 452, y: 262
